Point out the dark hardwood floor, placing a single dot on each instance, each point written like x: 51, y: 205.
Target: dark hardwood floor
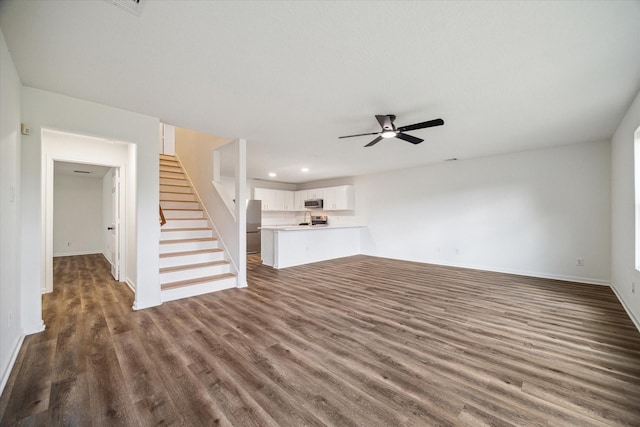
x: 359, y: 341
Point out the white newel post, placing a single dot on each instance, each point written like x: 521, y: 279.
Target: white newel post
x: 241, y: 209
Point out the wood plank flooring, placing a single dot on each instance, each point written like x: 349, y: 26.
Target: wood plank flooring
x: 359, y: 341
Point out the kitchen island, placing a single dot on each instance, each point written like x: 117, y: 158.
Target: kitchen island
x: 289, y: 245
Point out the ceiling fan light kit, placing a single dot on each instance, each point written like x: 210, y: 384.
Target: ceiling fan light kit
x: 389, y: 130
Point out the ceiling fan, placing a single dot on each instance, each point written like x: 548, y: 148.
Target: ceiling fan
x: 389, y: 130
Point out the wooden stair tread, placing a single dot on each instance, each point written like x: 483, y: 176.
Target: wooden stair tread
x: 186, y: 229
x: 193, y: 266
x: 175, y: 185
x: 177, y: 192
x: 194, y: 240
x: 183, y: 283
x: 178, y: 200
x: 185, y: 219
x: 186, y: 253
x: 182, y: 209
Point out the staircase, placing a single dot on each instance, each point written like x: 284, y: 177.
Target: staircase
x: 191, y: 261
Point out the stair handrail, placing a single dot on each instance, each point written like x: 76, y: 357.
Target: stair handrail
x: 163, y: 221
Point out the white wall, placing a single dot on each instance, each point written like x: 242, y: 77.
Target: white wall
x: 11, y: 326
x: 623, y: 249
x: 531, y: 213
x: 77, y: 215
x: 42, y: 109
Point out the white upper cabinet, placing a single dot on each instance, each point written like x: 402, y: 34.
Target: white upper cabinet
x: 275, y: 200
x: 299, y: 198
x: 315, y: 193
x: 288, y: 200
x: 338, y: 198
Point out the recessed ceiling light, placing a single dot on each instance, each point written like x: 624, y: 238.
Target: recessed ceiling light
x: 305, y: 169
x: 272, y: 174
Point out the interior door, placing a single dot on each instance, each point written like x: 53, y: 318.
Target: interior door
x: 115, y: 225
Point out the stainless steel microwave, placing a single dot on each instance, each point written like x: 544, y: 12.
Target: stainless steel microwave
x: 313, y: 203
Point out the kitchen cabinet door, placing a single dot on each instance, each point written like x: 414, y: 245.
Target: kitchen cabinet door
x: 265, y: 196
x: 315, y: 193
x: 299, y: 197
x: 275, y: 200
x: 339, y: 198
x: 269, y: 199
x: 288, y: 198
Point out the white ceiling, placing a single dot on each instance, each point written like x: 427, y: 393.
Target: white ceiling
x: 291, y: 77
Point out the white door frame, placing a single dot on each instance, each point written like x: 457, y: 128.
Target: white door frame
x: 116, y: 222
x: 49, y: 156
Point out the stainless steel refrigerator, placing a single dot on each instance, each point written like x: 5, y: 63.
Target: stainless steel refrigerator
x: 254, y: 222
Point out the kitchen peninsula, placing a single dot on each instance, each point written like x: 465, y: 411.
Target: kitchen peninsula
x: 289, y: 245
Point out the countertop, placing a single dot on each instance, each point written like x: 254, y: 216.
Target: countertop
x: 293, y: 227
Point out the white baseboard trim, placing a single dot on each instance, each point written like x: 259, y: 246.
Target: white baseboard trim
x: 12, y: 361
x: 104, y: 254
x: 626, y: 308
x: 38, y: 327
x: 55, y: 255
x: 576, y: 279
x: 130, y: 285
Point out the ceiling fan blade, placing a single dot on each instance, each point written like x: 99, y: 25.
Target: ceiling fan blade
x: 374, y: 142
x: 430, y: 123
x: 386, y: 122
x: 409, y: 138
x: 360, y: 134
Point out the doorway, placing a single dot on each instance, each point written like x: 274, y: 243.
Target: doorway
x: 92, y: 153
x: 86, y: 211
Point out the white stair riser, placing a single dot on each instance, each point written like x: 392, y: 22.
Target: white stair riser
x: 172, y: 175
x: 193, y: 273
x: 179, y: 205
x: 167, y: 164
x: 182, y: 196
x: 169, y: 181
x: 174, y: 261
x: 171, y: 214
x: 175, y: 189
x: 186, y: 223
x: 199, y: 289
x: 166, y: 248
x: 185, y: 234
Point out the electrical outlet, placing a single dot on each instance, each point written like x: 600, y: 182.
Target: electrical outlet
x: 579, y: 262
